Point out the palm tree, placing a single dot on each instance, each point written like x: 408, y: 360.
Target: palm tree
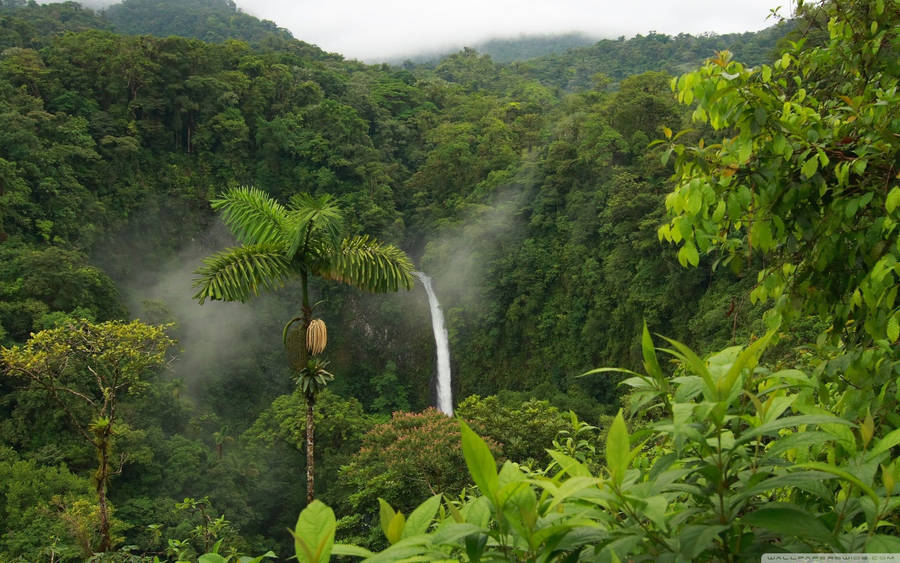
x: 300, y: 240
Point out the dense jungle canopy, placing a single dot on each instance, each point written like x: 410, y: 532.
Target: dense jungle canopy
x: 737, y: 194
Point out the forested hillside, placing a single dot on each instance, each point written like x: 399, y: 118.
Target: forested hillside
x: 562, y: 206
x: 577, y: 68
x: 210, y: 20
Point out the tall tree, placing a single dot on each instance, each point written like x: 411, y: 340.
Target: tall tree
x: 87, y: 369
x: 300, y: 240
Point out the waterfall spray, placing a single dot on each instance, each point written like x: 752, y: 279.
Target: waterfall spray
x: 444, y: 396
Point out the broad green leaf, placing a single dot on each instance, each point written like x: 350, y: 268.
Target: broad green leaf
x: 570, y: 487
x: 655, y: 510
x: 893, y: 199
x: 581, y: 536
x: 478, y: 512
x: 695, y: 539
x: 510, y: 473
x: 761, y: 235
x: 687, y: 254
x: 403, y: 550
x: 893, y: 328
x: 828, y: 468
x: 782, y: 481
x: 798, y: 440
x: 788, y: 521
x: 747, y: 359
x: 314, y: 533
x: 884, y: 444
x: 867, y: 429
x: 612, y: 370
x: 569, y: 465
x: 385, y: 515
x: 453, y: 532
x: 211, y: 558
x: 651, y: 364
x: 351, y: 550
x: 480, y: 461
x: 810, y: 166
x: 421, y: 517
x: 617, y: 449
x: 694, y: 363
x: 266, y: 555
x: 395, y: 528
x: 788, y: 421
x: 881, y: 543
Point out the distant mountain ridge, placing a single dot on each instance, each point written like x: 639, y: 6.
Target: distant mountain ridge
x: 505, y: 50
x: 570, y: 62
x: 577, y: 68
x: 213, y: 21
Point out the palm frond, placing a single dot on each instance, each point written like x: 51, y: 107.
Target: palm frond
x: 312, y: 217
x: 253, y: 216
x: 239, y: 273
x: 365, y: 263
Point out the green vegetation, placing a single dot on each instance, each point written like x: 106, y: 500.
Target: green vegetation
x: 214, y: 21
x: 569, y: 208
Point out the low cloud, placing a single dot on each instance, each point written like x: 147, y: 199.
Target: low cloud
x: 379, y: 31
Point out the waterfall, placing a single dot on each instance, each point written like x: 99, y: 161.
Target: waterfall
x: 444, y: 394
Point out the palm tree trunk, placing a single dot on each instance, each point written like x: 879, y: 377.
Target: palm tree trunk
x: 310, y: 444
x: 310, y: 399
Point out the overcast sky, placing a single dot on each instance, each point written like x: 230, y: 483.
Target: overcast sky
x: 375, y: 30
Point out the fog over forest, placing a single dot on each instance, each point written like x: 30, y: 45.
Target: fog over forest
x: 667, y: 262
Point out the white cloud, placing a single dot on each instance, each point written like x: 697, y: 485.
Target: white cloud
x: 374, y: 31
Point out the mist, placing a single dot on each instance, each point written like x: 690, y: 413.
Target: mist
x: 376, y: 32
x: 451, y: 259
x: 216, y: 340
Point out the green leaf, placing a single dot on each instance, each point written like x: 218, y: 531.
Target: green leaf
x: 761, y: 235
x: 696, y: 538
x: 452, y: 532
x: 480, y: 461
x: 782, y: 481
x: 570, y: 487
x: 617, y: 449
x: 655, y: 510
x: 314, y: 533
x: 747, y: 359
x: 687, y: 254
x: 267, y: 555
x: 867, y: 429
x: 420, y: 518
x: 395, y: 528
x: 884, y: 444
x: 893, y: 329
x: 651, y: 364
x: 211, y: 558
x: 385, y: 515
x: 828, y: 468
x: 775, y: 425
x: 881, y: 543
x: 351, y: 550
x: 892, y: 200
x: 810, y: 166
x: 409, y: 549
x: 569, y: 465
x: 694, y: 363
x: 787, y: 521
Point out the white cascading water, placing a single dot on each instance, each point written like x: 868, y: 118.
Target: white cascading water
x: 444, y: 394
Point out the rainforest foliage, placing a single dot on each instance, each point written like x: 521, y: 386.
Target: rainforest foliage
x: 568, y: 207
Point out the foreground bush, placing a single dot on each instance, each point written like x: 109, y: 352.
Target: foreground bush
x: 742, y: 460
